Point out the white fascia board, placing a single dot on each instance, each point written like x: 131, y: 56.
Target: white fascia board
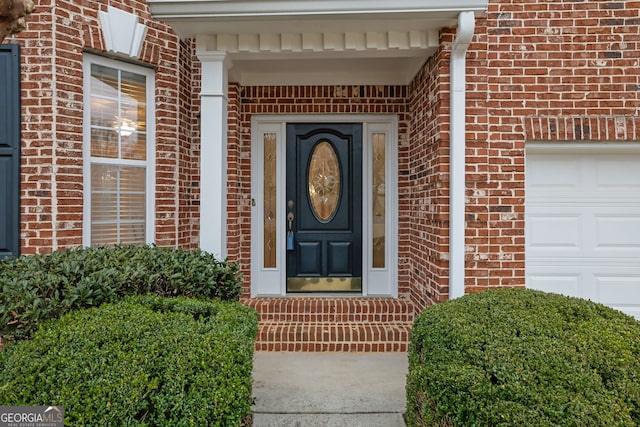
x: 167, y: 9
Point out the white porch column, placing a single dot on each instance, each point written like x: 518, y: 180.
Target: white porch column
x: 213, y: 152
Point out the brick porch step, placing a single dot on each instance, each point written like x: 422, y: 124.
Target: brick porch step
x: 333, y: 324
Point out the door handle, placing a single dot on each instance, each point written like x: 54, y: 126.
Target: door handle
x: 290, y: 239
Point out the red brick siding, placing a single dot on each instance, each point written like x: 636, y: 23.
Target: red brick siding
x: 424, y: 193
x: 536, y: 70
x: 564, y: 58
x: 554, y: 71
x: 189, y: 224
x: 189, y: 164
x: 38, y: 90
x: 52, y: 95
x: 239, y: 181
x: 495, y: 178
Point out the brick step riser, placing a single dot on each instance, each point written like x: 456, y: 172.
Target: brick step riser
x: 333, y: 347
x: 314, y: 310
x: 325, y: 317
x: 333, y: 324
x: 326, y: 336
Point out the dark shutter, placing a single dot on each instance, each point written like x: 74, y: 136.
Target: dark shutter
x: 9, y: 150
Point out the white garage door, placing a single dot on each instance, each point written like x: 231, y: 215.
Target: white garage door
x: 583, y: 223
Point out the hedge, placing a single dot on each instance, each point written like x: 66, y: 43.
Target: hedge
x: 523, y: 358
x: 143, y: 361
x: 35, y: 288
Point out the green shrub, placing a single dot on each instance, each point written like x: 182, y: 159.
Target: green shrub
x: 40, y: 287
x: 146, y: 360
x: 523, y: 358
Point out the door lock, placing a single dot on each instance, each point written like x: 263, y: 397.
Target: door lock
x: 290, y: 221
x: 290, y: 239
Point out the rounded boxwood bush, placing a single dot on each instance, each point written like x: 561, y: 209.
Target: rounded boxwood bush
x: 144, y: 361
x: 523, y: 358
x: 34, y: 288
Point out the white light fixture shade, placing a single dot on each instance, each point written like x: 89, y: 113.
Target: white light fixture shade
x: 122, y: 32
x: 127, y: 127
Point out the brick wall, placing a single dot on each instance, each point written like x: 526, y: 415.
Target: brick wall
x: 38, y: 100
x: 554, y: 71
x: 564, y: 57
x: 427, y: 187
x: 188, y: 222
x: 536, y: 71
x: 239, y: 182
x: 424, y: 185
x: 52, y: 95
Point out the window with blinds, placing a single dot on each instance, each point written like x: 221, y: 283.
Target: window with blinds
x: 118, y: 147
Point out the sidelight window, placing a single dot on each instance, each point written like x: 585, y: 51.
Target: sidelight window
x: 270, y: 192
x: 379, y: 200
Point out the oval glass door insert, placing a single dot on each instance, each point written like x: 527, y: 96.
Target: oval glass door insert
x: 324, y: 181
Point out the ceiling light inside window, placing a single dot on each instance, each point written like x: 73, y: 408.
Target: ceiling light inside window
x: 127, y: 127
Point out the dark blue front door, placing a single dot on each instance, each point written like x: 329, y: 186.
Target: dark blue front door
x: 9, y: 150
x: 324, y: 207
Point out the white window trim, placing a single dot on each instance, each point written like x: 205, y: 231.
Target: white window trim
x: 149, y: 163
x: 272, y: 281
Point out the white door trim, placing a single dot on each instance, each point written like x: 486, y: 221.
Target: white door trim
x: 272, y: 281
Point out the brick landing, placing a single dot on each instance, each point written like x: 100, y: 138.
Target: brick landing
x: 332, y: 324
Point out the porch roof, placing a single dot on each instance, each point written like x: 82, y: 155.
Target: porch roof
x: 316, y: 42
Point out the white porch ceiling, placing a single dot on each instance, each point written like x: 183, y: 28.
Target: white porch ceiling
x: 316, y: 42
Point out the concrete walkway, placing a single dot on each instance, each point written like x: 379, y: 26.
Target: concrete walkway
x: 329, y: 389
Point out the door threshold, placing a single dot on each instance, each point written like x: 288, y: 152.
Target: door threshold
x: 324, y: 284
x: 323, y: 295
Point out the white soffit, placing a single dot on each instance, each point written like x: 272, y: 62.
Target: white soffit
x: 316, y: 42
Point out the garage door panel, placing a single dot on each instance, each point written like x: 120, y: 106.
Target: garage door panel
x: 618, y: 290
x: 553, y: 174
x: 555, y: 232
x: 631, y: 310
x: 611, y: 285
x: 617, y: 233
x: 565, y: 284
x: 583, y: 223
x: 592, y: 232
x: 614, y: 173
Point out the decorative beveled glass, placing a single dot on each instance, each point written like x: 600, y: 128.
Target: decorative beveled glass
x: 270, y: 194
x: 379, y: 200
x: 324, y: 181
